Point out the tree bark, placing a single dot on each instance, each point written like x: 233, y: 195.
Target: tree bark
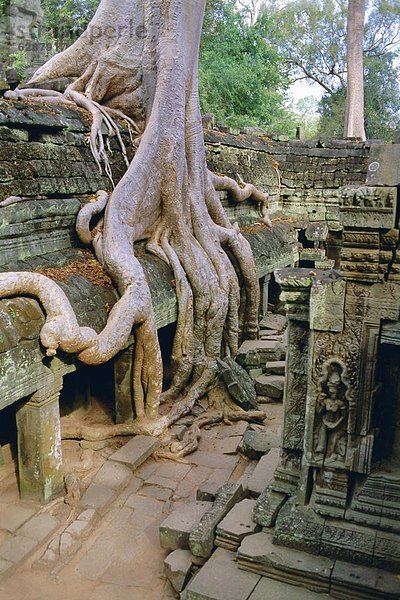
x: 354, y: 119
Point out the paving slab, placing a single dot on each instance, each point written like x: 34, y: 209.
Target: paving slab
x: 39, y: 527
x: 98, y: 497
x: 220, y: 579
x: 233, y: 430
x: 13, y: 516
x: 175, y: 530
x: 112, y: 475
x: 213, y: 460
x: 17, y: 548
x: 264, y: 472
x: 135, y: 452
x: 173, y: 471
x: 145, y: 504
x: 357, y: 581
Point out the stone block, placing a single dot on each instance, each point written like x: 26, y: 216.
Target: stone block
x: 257, y: 443
x: 277, y: 590
x: 145, y: 504
x: 201, y: 538
x: 178, y: 567
x: 258, y: 554
x: 275, y: 367
x: 237, y: 524
x: 112, y: 475
x: 136, y: 451
x: 274, y: 322
x: 264, y: 472
x: 384, y: 165
x: 255, y: 353
x: 175, y: 530
x: 271, y: 386
x: 208, y: 491
x: 356, y: 581
x: 98, y: 497
x: 220, y: 579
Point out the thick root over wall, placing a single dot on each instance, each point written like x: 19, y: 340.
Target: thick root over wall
x: 138, y: 61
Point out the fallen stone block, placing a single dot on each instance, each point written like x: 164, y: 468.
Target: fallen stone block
x: 201, y: 538
x: 275, y: 367
x: 136, y: 451
x: 270, y: 385
x: 208, y: 491
x: 237, y: 524
x: 238, y: 383
x: 178, y: 567
x: 257, y: 443
x: 264, y: 472
x: 255, y: 353
x: 175, y: 530
x: 220, y: 579
x: 273, y: 321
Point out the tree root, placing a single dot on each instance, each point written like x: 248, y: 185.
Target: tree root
x: 167, y: 198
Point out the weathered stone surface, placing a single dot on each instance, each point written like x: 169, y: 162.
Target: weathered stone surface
x: 13, y: 516
x: 274, y: 322
x: 258, y: 554
x: 276, y: 367
x: 220, y: 579
x: 257, y: 443
x: 238, y: 383
x: 201, y: 538
x: 383, y: 165
x: 277, y: 590
x: 357, y: 581
x: 208, y: 491
x: 175, y: 530
x: 255, y: 353
x: 39, y: 527
x: 237, y: 524
x: 136, y: 451
x: 271, y: 386
x: 178, y: 566
x: 17, y: 548
x: 264, y: 472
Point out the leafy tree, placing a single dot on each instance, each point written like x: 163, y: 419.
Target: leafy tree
x: 66, y: 20
x: 310, y: 35
x: 382, y: 101
x: 242, y: 78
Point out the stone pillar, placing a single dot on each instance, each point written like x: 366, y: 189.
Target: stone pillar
x: 123, y: 374
x: 264, y: 285
x: 39, y: 444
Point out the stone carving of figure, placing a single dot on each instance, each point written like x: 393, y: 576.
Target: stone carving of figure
x: 332, y: 409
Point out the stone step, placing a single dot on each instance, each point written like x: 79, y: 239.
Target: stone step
x: 255, y: 353
x: 270, y: 385
x: 258, y: 555
x: 274, y: 321
x: 136, y: 451
x: 275, y: 367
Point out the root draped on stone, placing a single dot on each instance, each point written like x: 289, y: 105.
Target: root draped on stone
x: 146, y: 75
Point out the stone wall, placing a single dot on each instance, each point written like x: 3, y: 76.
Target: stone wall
x: 303, y: 178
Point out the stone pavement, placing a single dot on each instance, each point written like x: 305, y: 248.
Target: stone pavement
x: 106, y: 547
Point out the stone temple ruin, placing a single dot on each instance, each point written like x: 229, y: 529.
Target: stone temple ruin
x: 322, y: 511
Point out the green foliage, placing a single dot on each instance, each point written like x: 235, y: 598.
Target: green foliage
x: 67, y: 19
x: 242, y: 78
x: 19, y: 63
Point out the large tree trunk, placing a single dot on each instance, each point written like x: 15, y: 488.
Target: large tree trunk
x: 139, y: 59
x: 354, y: 120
